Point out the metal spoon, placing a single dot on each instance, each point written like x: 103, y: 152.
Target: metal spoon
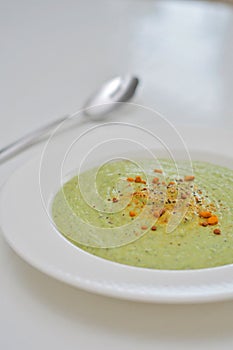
x: 119, y: 89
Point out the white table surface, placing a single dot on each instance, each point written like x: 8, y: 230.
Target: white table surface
x: 53, y: 53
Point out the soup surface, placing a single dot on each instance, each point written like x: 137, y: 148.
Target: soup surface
x: 185, y: 219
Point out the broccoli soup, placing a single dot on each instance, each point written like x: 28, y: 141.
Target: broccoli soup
x: 202, y: 237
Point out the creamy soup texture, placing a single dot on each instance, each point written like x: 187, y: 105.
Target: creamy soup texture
x: 204, y: 236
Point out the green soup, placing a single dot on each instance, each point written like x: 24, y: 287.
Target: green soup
x: 202, y: 239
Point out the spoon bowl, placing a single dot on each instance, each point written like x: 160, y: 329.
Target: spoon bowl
x: 107, y: 98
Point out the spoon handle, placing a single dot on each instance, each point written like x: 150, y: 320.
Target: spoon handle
x: 28, y: 140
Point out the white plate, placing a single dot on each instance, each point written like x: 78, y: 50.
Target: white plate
x: 29, y: 232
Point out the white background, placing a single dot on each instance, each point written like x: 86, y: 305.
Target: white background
x: 52, y: 55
